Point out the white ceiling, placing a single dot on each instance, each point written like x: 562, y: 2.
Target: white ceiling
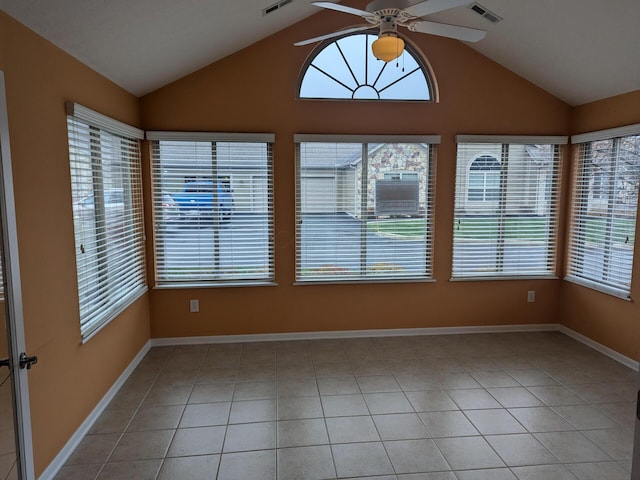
x: 578, y: 50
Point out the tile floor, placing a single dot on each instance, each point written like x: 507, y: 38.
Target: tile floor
x: 527, y: 406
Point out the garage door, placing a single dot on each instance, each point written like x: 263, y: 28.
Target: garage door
x: 318, y: 194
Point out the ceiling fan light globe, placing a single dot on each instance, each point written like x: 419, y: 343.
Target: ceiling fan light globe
x: 387, y: 48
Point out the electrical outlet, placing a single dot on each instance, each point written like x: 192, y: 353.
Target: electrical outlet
x: 194, y: 306
x: 531, y: 296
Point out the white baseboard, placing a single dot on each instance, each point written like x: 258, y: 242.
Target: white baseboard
x: 629, y: 362
x: 399, y: 332
x: 58, y: 462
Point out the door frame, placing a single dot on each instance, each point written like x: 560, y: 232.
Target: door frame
x: 13, y: 297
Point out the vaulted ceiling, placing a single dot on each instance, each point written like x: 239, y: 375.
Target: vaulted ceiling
x: 578, y: 50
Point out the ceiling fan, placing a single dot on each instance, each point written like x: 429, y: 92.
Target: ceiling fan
x: 388, y: 14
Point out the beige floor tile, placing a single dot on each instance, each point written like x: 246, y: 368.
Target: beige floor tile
x: 395, y: 402
x: 212, y: 392
x: 495, y: 379
x: 259, y: 465
x: 197, y: 441
x: 467, y: 453
x: 431, y: 401
x: 295, y: 370
x: 205, y: 415
x: 112, y: 421
x: 555, y: 395
x: 598, y: 393
x: 540, y: 419
x: 400, y: 426
x: 515, y: 397
x: 617, y: 442
x: 297, y: 387
x: 302, y: 433
x: 520, y: 450
x: 457, y: 380
x: 448, y: 424
x: 299, y: 407
x: 140, y: 470
x: 488, y: 474
x: 418, y: 476
x: 250, y: 436
x: 253, y: 411
x: 411, y: 456
x: 621, y: 413
x: 333, y: 369
x: 473, y: 399
x: 598, y: 471
x: 313, y: 462
x: 585, y: 417
x: 543, y: 472
x: 377, y: 384
x: 532, y: 377
x: 78, y: 472
x: 352, y: 429
x: 254, y: 391
x: 417, y: 381
x: 142, y: 446
x: 203, y: 467
x: 344, y: 405
x: 338, y: 386
x: 571, y: 447
x: 93, y: 449
x: 217, y: 375
x: 156, y: 418
x: 361, y: 459
x: 256, y: 373
x: 494, y: 422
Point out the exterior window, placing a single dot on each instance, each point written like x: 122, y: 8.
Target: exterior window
x: 506, y: 207
x: 107, y: 214
x: 484, y: 179
x: 364, y: 210
x: 604, y: 209
x: 345, y: 69
x: 213, y: 209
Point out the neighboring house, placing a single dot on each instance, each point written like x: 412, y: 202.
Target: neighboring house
x: 527, y: 178
x: 331, y: 177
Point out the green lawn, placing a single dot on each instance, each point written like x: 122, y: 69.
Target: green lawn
x: 486, y: 228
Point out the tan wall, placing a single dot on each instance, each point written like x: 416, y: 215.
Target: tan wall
x: 69, y: 379
x: 254, y: 90
x: 606, y: 319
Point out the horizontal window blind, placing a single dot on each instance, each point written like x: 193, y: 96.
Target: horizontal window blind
x: 604, y: 209
x: 364, y: 210
x: 108, y: 221
x: 213, y: 209
x: 506, y: 209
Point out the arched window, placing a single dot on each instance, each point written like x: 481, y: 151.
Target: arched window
x: 484, y: 179
x: 345, y: 69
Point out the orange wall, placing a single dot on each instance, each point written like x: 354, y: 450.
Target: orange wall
x: 70, y: 378
x: 606, y: 319
x: 254, y: 90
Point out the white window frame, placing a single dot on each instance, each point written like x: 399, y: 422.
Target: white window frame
x: 111, y: 275
x: 465, y: 270
x: 368, y: 274
x: 611, y: 281
x: 215, y: 276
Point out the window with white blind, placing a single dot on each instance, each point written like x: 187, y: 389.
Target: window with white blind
x: 213, y: 208
x: 107, y: 214
x: 604, y: 208
x: 506, y: 206
x: 364, y: 208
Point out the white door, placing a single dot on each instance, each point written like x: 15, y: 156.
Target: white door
x: 16, y: 455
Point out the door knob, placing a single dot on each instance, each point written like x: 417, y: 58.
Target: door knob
x: 27, y: 362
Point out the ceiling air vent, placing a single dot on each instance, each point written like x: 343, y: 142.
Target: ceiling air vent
x: 484, y: 12
x: 275, y: 6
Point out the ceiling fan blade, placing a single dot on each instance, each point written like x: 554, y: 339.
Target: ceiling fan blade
x: 433, y: 6
x: 444, y: 30
x: 331, y: 35
x: 342, y: 8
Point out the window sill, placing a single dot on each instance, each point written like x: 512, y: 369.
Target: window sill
x: 614, y: 292
x: 334, y: 281
x: 511, y: 278
x: 191, y: 285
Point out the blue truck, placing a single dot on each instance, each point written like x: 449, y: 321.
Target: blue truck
x: 196, y: 201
